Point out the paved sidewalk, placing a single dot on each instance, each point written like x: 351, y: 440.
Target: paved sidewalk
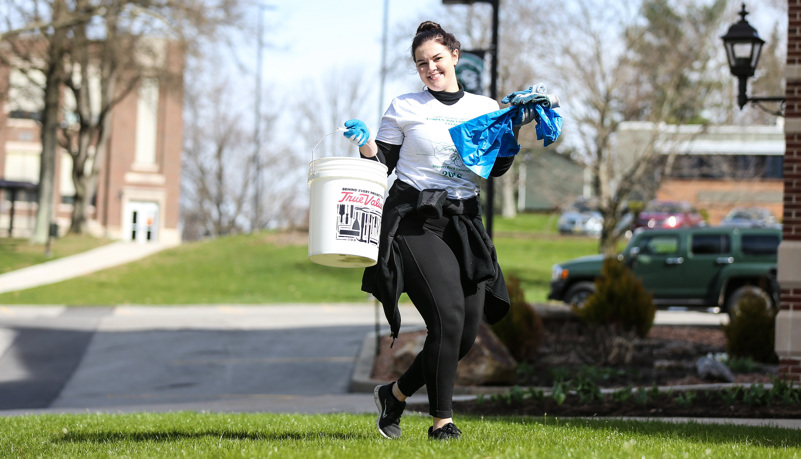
x: 107, y: 256
x: 278, y: 358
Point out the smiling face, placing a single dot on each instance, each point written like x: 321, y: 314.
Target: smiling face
x: 436, y: 66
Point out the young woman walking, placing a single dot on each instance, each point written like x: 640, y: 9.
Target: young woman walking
x: 433, y: 243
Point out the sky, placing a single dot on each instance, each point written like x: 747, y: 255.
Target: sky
x: 305, y: 38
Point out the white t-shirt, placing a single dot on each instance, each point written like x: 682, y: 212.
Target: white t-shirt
x: 419, y: 123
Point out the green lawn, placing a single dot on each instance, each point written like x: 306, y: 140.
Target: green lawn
x: 348, y: 435
x: 18, y: 253
x: 250, y: 269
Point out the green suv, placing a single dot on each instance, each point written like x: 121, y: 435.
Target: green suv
x: 700, y: 267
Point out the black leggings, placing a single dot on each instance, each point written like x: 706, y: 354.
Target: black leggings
x: 451, y: 308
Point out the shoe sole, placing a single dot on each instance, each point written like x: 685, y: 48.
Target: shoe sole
x: 380, y: 410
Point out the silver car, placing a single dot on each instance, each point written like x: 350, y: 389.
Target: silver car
x: 587, y: 223
x: 750, y: 217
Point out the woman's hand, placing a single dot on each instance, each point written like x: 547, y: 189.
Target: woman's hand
x: 357, y: 132
x: 526, y: 114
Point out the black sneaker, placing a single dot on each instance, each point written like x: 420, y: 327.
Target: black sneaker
x: 390, y: 410
x: 446, y: 432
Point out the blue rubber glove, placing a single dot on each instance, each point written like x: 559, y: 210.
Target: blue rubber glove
x: 526, y: 113
x: 357, y: 132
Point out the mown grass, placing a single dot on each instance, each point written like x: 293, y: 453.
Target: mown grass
x: 16, y: 253
x: 349, y: 435
x: 253, y: 269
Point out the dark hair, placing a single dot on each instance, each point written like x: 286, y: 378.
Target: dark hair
x: 429, y: 30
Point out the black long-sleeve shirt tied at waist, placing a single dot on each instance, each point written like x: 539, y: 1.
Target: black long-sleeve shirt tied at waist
x: 477, y: 256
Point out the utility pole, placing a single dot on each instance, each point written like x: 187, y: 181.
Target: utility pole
x: 256, y: 223
x: 257, y: 165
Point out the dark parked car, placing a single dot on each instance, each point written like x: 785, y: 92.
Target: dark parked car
x: 750, y: 217
x: 693, y: 267
x: 668, y: 214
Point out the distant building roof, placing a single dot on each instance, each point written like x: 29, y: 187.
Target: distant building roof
x: 708, y: 140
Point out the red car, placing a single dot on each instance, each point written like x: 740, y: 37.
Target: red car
x: 668, y: 214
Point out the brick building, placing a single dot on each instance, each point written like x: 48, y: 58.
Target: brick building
x: 138, y: 189
x: 715, y: 168
x: 788, y: 322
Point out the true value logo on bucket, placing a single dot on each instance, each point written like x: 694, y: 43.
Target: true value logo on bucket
x: 359, y: 215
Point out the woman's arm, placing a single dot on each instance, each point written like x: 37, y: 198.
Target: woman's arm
x: 502, y: 165
x: 369, y: 149
x: 386, y: 153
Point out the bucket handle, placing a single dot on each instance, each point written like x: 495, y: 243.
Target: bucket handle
x: 340, y: 129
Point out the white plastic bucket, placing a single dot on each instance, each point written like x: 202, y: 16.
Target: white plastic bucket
x: 345, y: 204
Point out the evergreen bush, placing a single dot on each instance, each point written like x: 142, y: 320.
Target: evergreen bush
x: 521, y: 330
x: 620, y: 301
x: 752, y: 330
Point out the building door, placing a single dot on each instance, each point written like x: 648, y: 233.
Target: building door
x: 142, y: 221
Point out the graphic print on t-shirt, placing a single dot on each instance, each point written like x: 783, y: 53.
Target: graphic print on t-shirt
x: 449, y: 162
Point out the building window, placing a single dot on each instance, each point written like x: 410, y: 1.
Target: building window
x: 22, y: 166
x: 726, y: 167
x: 147, y: 122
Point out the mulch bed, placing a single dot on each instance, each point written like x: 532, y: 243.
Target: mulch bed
x: 665, y: 358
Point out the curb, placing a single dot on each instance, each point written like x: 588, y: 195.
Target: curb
x: 362, y: 381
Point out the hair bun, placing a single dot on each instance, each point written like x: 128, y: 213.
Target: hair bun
x: 428, y: 25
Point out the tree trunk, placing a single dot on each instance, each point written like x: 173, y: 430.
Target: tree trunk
x: 50, y: 123
x: 78, y: 225
x: 508, y: 203
x: 95, y: 128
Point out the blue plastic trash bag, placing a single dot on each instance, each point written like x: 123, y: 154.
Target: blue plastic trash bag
x: 549, y: 126
x: 481, y: 140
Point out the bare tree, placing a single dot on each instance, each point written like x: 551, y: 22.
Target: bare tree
x: 341, y: 95
x: 219, y: 164
x: 130, y: 51
x: 44, y: 55
x: 216, y: 185
x: 113, y: 42
x: 648, y: 62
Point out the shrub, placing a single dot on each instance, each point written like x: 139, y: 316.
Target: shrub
x: 521, y: 330
x: 685, y: 399
x: 752, y: 330
x: 620, y: 301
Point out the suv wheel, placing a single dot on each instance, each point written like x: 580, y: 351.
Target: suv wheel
x: 578, y: 293
x: 734, y: 299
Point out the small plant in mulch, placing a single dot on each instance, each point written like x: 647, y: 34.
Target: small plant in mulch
x: 521, y: 329
x: 620, y: 301
x: 752, y: 330
x: 580, y: 397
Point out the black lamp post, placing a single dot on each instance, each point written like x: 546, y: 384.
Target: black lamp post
x: 743, y: 48
x: 493, y: 86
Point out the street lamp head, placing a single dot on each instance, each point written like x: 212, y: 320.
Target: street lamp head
x: 743, y: 47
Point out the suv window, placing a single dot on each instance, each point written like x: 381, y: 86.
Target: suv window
x: 711, y: 244
x: 760, y: 244
x: 661, y: 245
